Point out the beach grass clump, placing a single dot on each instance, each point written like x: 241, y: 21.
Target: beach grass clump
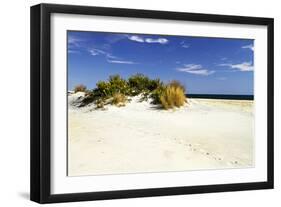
x: 173, y: 95
x: 177, y: 84
x: 80, y: 88
x: 118, y: 99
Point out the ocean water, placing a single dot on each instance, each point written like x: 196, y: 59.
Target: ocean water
x: 221, y: 96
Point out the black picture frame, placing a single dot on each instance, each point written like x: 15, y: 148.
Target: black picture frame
x: 40, y: 184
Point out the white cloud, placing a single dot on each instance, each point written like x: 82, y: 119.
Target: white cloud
x: 195, y: 69
x: 74, y: 45
x: 251, y: 47
x: 244, y: 67
x: 109, y: 57
x: 137, y: 38
x: 95, y: 52
x: 74, y: 51
x: 73, y: 42
x: 120, y: 61
x: 184, y: 45
x: 158, y: 40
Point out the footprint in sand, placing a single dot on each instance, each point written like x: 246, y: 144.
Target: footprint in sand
x: 204, y: 152
x: 231, y: 163
x: 188, y: 145
x: 214, y: 157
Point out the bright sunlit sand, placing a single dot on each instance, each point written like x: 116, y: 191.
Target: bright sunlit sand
x: 140, y: 137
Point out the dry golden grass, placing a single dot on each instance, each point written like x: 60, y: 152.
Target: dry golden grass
x: 173, y: 96
x: 80, y: 88
x: 119, y: 99
x: 177, y: 84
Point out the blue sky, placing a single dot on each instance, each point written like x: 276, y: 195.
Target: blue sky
x: 204, y: 65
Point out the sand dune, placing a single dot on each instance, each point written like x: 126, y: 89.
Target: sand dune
x: 137, y: 138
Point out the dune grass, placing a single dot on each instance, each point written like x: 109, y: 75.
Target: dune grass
x: 117, y: 90
x: 119, y: 99
x: 173, y: 96
x: 80, y: 88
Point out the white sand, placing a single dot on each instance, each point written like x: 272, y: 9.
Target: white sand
x: 204, y: 134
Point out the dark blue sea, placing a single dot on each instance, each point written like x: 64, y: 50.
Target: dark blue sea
x: 221, y: 96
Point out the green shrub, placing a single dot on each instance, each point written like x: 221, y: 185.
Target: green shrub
x: 138, y: 83
x: 103, y: 89
x: 149, y: 88
x: 80, y: 88
x: 154, y: 84
x: 155, y: 94
x: 118, y: 85
x: 173, y: 96
x: 115, y: 84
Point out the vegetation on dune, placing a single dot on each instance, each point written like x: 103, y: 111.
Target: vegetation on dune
x: 115, y: 84
x: 173, y: 95
x: 140, y: 83
x: 177, y: 84
x: 116, y: 90
x: 80, y: 88
x: 100, y: 103
x: 119, y: 99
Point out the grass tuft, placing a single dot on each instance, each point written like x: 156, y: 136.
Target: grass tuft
x: 80, y: 88
x: 173, y: 95
x: 118, y: 99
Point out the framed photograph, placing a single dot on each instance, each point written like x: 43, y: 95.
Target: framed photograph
x: 133, y: 103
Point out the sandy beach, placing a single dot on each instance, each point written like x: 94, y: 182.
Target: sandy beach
x: 139, y: 138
